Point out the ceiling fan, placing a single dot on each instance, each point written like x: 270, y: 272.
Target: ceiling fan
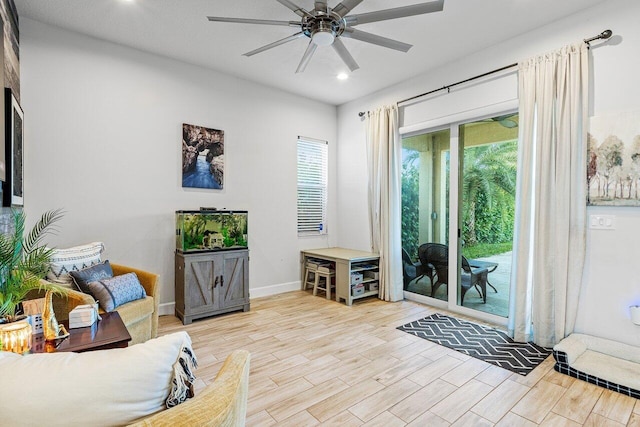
x: 325, y: 26
x: 507, y: 120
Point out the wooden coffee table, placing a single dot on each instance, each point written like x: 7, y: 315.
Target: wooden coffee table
x: 105, y: 334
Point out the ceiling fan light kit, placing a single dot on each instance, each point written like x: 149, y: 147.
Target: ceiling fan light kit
x: 323, y: 38
x: 325, y: 26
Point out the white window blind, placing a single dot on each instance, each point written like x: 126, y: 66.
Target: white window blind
x: 312, y: 186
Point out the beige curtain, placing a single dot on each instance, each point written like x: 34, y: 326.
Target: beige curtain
x: 383, y: 156
x: 551, y: 199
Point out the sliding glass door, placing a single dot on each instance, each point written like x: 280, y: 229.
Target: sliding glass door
x: 487, y: 167
x: 464, y: 258
x: 425, y: 207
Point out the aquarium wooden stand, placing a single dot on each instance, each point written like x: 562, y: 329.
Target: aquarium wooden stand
x: 211, y: 283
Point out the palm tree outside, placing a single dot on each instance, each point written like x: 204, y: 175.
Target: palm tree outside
x: 488, y: 193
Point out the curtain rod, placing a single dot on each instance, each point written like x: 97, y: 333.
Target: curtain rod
x: 603, y: 35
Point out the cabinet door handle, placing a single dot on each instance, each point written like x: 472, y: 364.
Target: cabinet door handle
x: 215, y: 282
x: 221, y: 281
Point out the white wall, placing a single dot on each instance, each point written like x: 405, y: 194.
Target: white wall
x: 611, y: 280
x: 103, y: 141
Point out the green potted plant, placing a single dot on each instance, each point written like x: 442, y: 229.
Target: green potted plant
x: 24, y: 260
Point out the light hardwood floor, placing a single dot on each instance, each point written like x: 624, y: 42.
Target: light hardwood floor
x: 318, y: 362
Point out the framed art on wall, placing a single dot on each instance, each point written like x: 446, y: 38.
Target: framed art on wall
x: 202, y: 157
x: 613, y: 160
x: 13, y: 191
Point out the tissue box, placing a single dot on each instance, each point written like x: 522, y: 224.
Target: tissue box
x: 82, y: 316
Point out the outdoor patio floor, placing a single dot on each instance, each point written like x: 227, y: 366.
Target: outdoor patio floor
x: 497, y: 302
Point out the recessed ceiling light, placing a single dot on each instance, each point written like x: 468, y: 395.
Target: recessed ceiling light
x: 342, y: 76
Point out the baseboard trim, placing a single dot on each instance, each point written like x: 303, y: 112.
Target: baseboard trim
x: 280, y: 288
x: 169, y: 308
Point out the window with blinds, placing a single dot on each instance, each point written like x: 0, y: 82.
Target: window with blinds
x: 312, y: 186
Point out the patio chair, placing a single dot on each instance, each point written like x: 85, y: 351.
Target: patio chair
x: 437, y: 255
x: 478, y: 278
x: 414, y: 270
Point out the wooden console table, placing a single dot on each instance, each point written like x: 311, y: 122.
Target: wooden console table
x: 105, y: 334
x: 347, y: 261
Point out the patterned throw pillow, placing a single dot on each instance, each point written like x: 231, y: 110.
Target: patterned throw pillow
x: 64, y: 261
x: 183, y: 376
x: 112, y: 293
x: 92, y: 274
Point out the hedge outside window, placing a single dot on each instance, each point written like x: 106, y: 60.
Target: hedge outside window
x: 312, y: 186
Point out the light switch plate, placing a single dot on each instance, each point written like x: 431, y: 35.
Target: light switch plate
x: 602, y: 222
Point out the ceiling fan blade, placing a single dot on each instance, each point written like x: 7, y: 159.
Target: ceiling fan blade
x: 276, y: 43
x: 253, y: 21
x: 306, y: 57
x: 398, y: 12
x: 294, y: 7
x: 344, y: 54
x: 345, y: 7
x: 352, y: 33
x: 320, y: 6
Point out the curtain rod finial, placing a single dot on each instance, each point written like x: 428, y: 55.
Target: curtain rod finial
x: 606, y: 34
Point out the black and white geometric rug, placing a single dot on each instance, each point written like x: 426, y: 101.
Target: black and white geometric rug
x: 481, y: 342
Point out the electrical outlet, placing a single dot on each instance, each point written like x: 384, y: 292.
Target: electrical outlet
x: 602, y: 222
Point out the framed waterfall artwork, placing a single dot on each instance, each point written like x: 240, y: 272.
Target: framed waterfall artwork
x: 613, y: 160
x: 202, y: 157
x: 13, y: 191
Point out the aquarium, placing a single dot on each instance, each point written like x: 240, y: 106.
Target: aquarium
x: 210, y: 230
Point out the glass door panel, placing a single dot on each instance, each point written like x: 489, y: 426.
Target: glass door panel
x: 425, y: 210
x: 487, y: 170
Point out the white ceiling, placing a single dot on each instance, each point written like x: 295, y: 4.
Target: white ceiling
x: 179, y: 29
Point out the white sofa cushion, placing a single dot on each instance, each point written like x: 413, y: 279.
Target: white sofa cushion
x: 99, y: 388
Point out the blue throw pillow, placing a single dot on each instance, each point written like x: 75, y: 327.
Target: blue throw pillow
x: 112, y: 293
x: 85, y: 276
